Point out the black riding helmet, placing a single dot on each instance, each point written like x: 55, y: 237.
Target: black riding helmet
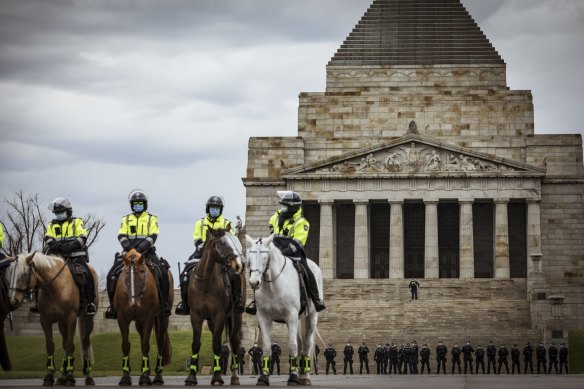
x: 214, y: 201
x: 290, y: 199
x: 138, y: 195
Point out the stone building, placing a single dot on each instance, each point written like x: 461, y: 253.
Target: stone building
x: 418, y: 161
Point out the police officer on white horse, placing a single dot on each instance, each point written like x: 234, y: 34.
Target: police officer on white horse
x: 290, y: 230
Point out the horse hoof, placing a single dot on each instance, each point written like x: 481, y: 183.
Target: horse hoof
x: 293, y: 380
x: 49, y: 380
x: 217, y: 380
x: 191, y: 380
x: 126, y: 380
x: 158, y: 379
x: 305, y: 381
x: 145, y: 380
x: 69, y: 380
x: 263, y: 380
x: 89, y: 381
x: 234, y: 381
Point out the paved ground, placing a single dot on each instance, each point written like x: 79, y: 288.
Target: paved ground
x: 367, y: 382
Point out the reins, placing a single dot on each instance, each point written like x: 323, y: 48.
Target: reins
x: 258, y: 251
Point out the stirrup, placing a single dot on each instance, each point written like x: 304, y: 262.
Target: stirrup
x: 90, y: 309
x: 251, y: 308
x: 34, y: 308
x: 319, y: 305
x: 238, y: 307
x: 182, y: 309
x: 110, y: 313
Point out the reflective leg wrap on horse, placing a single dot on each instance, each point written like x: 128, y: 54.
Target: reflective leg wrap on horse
x: 266, y: 365
x: 216, y: 363
x: 86, y: 365
x: 51, y: 363
x: 234, y: 362
x: 194, y: 363
x: 293, y: 364
x: 145, y: 364
x: 159, y: 364
x: 67, y: 367
x: 304, y: 364
x: 126, y: 364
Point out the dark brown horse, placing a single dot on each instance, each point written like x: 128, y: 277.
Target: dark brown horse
x: 209, y: 300
x: 137, y: 299
x: 4, y: 310
x: 58, y: 302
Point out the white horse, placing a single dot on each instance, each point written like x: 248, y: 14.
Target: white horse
x: 275, y: 281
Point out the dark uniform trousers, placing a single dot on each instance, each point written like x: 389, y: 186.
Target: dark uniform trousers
x: 480, y: 362
x: 491, y: 360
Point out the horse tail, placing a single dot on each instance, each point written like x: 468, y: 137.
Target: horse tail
x: 163, y: 340
x: 4, y: 358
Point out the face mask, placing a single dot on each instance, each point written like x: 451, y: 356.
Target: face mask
x: 284, y: 208
x: 214, y: 212
x: 61, y: 216
x: 137, y: 207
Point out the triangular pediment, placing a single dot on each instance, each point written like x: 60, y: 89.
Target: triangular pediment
x: 413, y: 154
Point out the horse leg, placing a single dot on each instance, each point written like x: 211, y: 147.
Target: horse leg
x: 85, y: 330
x: 163, y: 346
x: 266, y: 331
x: 144, y: 328
x: 126, y: 379
x: 49, y: 379
x: 216, y: 327
x: 306, y: 339
x: 197, y: 325
x: 235, y: 341
x: 292, y: 323
x: 67, y: 329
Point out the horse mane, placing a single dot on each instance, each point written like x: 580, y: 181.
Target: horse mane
x: 43, y: 261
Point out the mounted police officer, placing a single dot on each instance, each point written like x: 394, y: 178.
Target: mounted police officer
x: 66, y: 237
x: 528, y: 358
x: 363, y: 352
x: 330, y: 353
x: 139, y: 231
x: 441, y: 352
x: 290, y: 230
x: 348, y: 358
x: 425, y: 355
x: 275, y: 357
x: 467, y: 351
x: 213, y: 220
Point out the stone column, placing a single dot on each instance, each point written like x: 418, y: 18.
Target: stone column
x: 501, y: 239
x: 396, y: 240
x: 466, y: 240
x: 326, y: 249
x: 533, y: 230
x: 431, y: 240
x: 361, y: 240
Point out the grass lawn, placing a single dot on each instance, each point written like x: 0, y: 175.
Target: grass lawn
x: 28, y: 355
x: 576, y: 350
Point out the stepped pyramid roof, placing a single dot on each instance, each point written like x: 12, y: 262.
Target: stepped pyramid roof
x: 416, y: 32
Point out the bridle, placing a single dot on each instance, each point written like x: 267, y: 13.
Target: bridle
x: 227, y: 258
x: 258, y: 251
x: 132, y: 269
x: 29, y: 274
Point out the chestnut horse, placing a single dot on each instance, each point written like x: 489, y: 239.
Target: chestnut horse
x: 209, y: 299
x: 137, y: 299
x: 58, y: 302
x: 4, y: 310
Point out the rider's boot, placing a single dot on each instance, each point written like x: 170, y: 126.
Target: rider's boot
x: 238, y: 306
x: 251, y: 308
x: 182, y: 307
x: 313, y: 291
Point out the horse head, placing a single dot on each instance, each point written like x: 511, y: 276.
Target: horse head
x: 20, y: 279
x: 228, y: 248
x: 258, y: 257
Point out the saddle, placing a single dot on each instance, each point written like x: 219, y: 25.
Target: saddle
x: 283, y: 244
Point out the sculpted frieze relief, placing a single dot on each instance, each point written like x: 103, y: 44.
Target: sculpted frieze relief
x: 415, y: 158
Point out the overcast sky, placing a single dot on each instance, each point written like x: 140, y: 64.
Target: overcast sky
x: 100, y: 97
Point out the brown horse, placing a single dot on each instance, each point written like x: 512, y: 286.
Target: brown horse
x: 209, y: 301
x: 58, y: 302
x: 137, y: 299
x: 4, y: 310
